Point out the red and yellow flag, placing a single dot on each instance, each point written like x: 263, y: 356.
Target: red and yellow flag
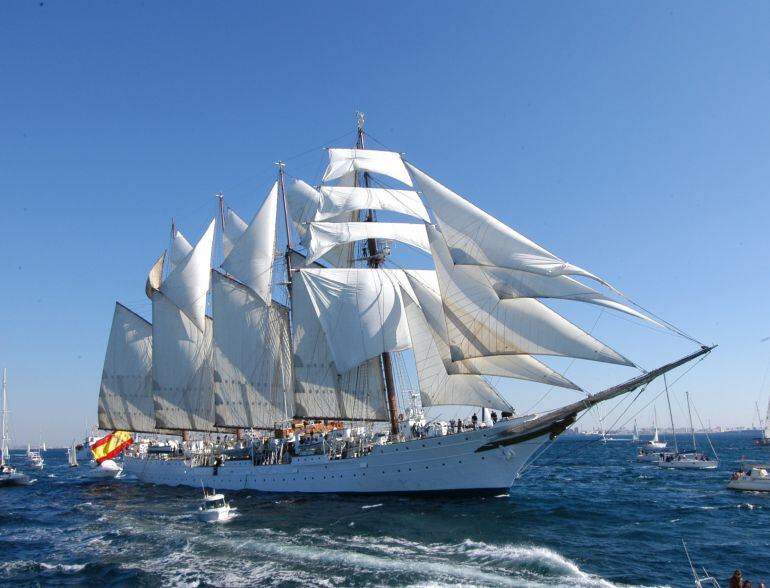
x: 111, y: 445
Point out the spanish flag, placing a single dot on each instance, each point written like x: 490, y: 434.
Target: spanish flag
x: 111, y: 445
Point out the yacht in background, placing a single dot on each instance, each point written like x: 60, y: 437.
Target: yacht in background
x: 8, y: 474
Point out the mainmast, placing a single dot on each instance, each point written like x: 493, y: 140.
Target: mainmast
x: 689, y: 413
x: 375, y: 261
x: 670, y: 414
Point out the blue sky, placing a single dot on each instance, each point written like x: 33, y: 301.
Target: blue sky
x: 632, y: 139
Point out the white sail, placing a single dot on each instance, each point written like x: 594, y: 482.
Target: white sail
x: 125, y: 395
x: 361, y: 312
x: 480, y: 324
x: 234, y: 228
x: 338, y: 199
x: 320, y: 392
x: 346, y: 161
x: 180, y: 248
x: 182, y: 375
x: 252, y: 358
x: 250, y: 260
x: 324, y: 236
x: 521, y: 367
x: 508, y: 283
x: 477, y: 238
x: 304, y: 202
x: 437, y: 387
x: 187, y: 284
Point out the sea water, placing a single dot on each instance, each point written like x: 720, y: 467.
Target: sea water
x: 585, y: 514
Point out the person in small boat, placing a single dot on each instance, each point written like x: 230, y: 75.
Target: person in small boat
x: 494, y: 417
x: 747, y: 583
x: 737, y: 580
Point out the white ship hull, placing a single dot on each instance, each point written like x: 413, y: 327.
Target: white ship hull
x: 485, y: 460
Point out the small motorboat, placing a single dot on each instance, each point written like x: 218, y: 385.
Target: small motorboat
x: 214, y: 508
x: 36, y: 460
x: 754, y: 478
x: 107, y: 469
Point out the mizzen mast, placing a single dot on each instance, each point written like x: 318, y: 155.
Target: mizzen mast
x: 374, y: 260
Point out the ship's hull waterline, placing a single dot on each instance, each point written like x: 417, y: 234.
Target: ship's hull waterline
x: 459, y: 463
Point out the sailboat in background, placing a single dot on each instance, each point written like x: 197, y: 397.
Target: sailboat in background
x: 688, y: 459
x: 8, y: 474
x: 303, y: 369
x: 764, y: 426
x: 72, y: 456
x: 635, y: 435
x: 654, y: 448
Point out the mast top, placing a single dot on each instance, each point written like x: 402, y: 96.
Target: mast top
x: 360, y: 119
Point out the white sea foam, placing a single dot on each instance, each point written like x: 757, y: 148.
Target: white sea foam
x: 371, y: 506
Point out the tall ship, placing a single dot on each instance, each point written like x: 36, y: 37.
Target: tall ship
x: 288, y: 367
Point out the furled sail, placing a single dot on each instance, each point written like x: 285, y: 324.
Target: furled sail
x: 324, y: 236
x: 233, y: 229
x: 187, y: 284
x: 320, y: 391
x: 437, y: 387
x: 346, y: 161
x: 252, y: 357
x: 479, y: 324
x: 361, y: 312
x: 250, y: 260
x: 125, y: 395
x: 477, y: 238
x: 182, y: 378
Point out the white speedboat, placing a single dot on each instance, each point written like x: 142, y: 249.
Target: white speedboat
x: 36, y: 460
x: 214, y: 508
x: 8, y: 475
x: 754, y: 478
x: 107, y: 469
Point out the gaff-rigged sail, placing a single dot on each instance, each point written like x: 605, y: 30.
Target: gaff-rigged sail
x: 125, y: 394
x: 182, y: 374
x: 252, y: 358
